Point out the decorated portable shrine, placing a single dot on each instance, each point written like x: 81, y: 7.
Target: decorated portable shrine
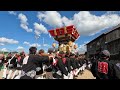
x: 65, y: 37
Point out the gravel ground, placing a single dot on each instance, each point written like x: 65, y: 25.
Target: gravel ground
x: 86, y: 75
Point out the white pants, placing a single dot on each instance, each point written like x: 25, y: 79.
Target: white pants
x: 83, y: 67
x: 76, y: 71
x: 9, y: 74
x: 19, y: 75
x: 70, y: 75
x: 4, y: 73
x: 65, y: 77
x: 15, y: 73
x: 40, y: 77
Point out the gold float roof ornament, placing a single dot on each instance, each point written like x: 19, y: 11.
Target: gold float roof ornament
x: 54, y: 45
x: 70, y: 43
x: 75, y: 46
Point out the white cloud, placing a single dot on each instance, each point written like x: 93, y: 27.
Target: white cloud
x: 86, y: 42
x: 27, y: 43
x: 2, y: 44
x: 37, y: 33
x: 12, y: 12
x: 20, y: 48
x: 24, y: 23
x: 52, y: 18
x: 25, y: 27
x: 23, y: 18
x: 89, y: 24
x: 32, y: 45
x: 4, y: 50
x: 39, y: 28
x: 46, y: 45
x: 85, y: 22
x: 41, y: 16
x: 67, y: 21
x: 4, y: 40
x: 82, y: 48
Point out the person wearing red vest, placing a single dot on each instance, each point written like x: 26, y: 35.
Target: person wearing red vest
x: 60, y: 67
x: 102, y: 67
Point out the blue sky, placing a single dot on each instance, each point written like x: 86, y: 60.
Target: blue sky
x: 19, y: 28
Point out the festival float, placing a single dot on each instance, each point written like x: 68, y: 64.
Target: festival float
x: 65, y: 36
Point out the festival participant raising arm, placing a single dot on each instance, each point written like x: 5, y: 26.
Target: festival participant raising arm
x: 31, y: 62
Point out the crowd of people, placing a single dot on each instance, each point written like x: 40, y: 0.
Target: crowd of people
x: 41, y: 65
x: 57, y: 65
